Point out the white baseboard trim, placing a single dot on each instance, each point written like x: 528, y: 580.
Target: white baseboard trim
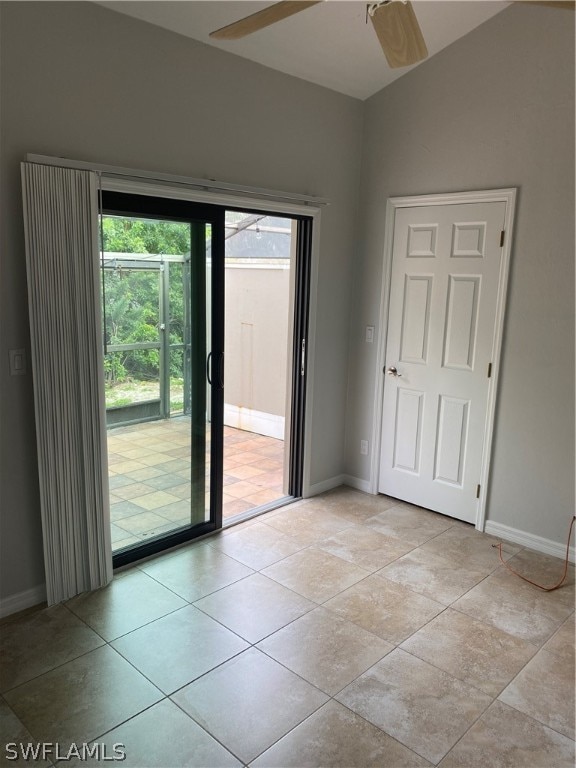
x: 357, y: 483
x: 539, y: 543
x: 267, y: 424
x: 22, y: 600
x: 325, y: 485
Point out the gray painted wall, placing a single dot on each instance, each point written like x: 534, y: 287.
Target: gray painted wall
x: 495, y: 109
x: 85, y: 82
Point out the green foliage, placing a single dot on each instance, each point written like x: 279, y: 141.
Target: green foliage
x: 131, y: 297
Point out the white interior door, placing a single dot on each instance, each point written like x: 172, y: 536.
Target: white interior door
x: 444, y: 288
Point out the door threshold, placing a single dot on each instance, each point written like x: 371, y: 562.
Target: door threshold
x: 257, y: 511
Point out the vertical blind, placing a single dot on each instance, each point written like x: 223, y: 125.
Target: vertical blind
x: 61, y: 232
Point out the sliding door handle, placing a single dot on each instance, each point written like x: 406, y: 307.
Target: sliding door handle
x: 221, y: 370
x: 208, y: 359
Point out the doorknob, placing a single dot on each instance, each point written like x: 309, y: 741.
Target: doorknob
x: 393, y: 372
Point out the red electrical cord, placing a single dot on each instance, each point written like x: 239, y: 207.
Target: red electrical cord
x: 524, y: 578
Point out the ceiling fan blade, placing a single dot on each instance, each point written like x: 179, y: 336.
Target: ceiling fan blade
x: 399, y: 34
x: 567, y: 5
x: 263, y: 18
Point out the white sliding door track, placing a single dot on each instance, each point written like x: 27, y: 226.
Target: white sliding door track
x: 184, y: 182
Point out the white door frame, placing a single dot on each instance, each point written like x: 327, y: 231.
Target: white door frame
x: 508, y: 196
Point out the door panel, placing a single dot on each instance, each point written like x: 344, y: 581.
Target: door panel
x: 443, y: 296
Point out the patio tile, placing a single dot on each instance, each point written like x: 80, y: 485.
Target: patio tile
x: 264, y: 496
x: 242, y: 489
x: 236, y: 507
x: 128, y: 492
x: 144, y: 474
x: 154, y: 500
x: 143, y: 523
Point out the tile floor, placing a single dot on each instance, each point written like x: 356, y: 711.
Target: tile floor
x: 149, y: 467
x: 346, y: 630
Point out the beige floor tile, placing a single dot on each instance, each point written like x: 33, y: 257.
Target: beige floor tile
x: 271, y: 700
x: 255, y: 607
x: 13, y: 734
x: 41, y: 641
x: 191, y: 644
x: 409, y: 523
x: 307, y: 523
x: 544, y: 570
x: 83, y: 698
x: 163, y: 736
x: 544, y: 690
x: 505, y: 738
x: 469, y: 548
x: 131, y: 600
x: 326, y: 650
x: 353, y: 505
x: 314, y: 574
x: 365, y: 547
x: 334, y: 736
x: 562, y: 642
x: 515, y: 607
x: 256, y: 546
x: 196, y: 571
x: 470, y: 650
x: 385, y: 608
x: 424, y: 708
x: 440, y: 579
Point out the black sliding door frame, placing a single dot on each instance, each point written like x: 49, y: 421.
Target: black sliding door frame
x: 212, y: 360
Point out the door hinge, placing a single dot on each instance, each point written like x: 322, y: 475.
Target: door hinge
x: 502, y: 238
x: 477, y: 491
x: 302, y: 357
x: 489, y: 370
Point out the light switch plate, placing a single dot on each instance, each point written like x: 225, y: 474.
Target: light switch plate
x: 369, y: 334
x: 17, y: 362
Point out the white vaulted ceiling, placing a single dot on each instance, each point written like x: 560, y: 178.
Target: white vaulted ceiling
x: 329, y: 44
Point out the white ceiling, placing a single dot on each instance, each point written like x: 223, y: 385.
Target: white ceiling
x: 329, y: 44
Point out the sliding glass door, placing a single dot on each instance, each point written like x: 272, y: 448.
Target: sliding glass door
x: 179, y: 280
x: 163, y: 359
